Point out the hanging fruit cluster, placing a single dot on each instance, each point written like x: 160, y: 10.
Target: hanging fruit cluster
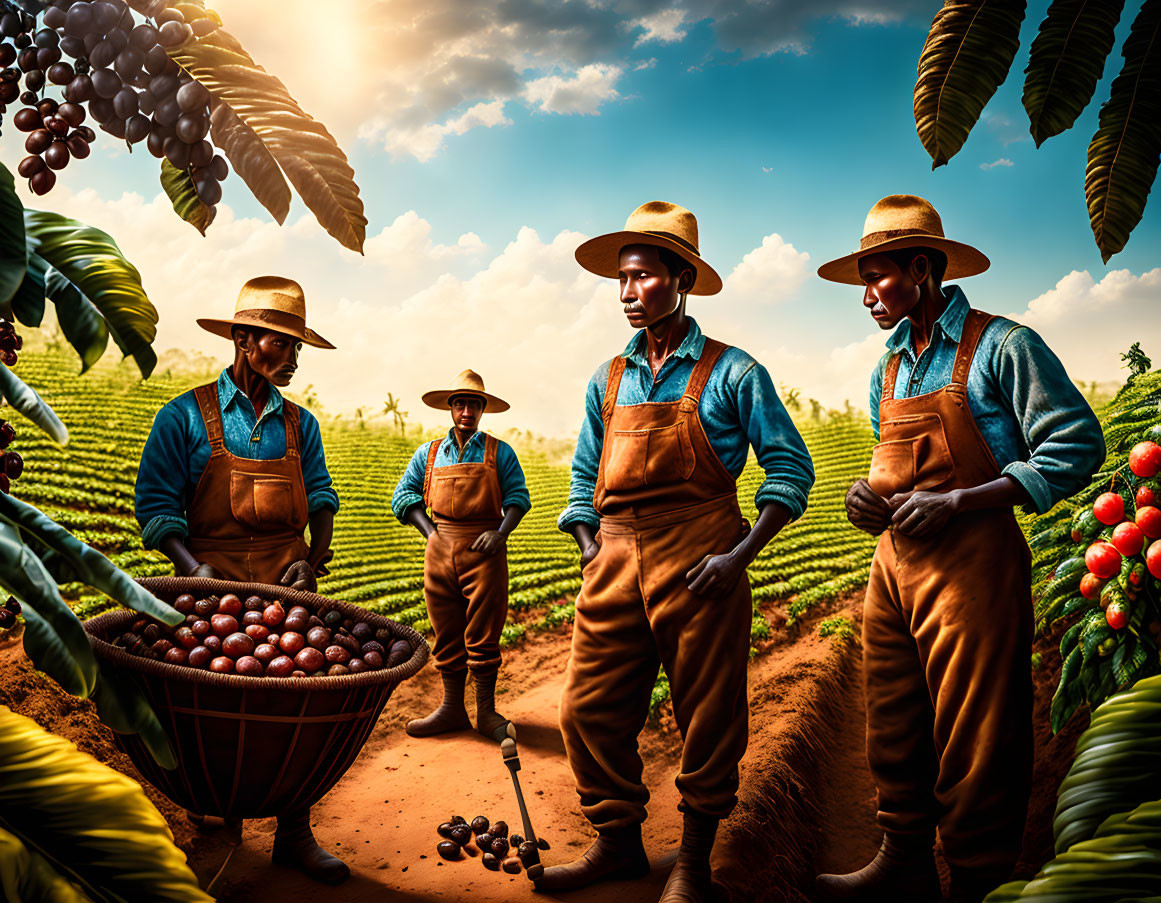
x: 8, y: 614
x: 11, y: 464
x: 116, y: 71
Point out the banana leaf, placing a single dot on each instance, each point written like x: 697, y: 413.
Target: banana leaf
x: 1123, y: 154
x: 80, y: 321
x: 91, y: 823
x: 24, y: 399
x: 91, y: 260
x: 1066, y: 62
x: 27, y: 303
x: 179, y: 188
x: 88, y: 564
x: 27, y: 877
x: 13, y: 254
x: 966, y: 57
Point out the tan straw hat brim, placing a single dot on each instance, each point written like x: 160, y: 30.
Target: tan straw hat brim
x: 440, y: 399
x: 276, y: 321
x: 962, y: 260
x: 602, y: 255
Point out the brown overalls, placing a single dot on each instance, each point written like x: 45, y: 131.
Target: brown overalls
x: 247, y: 517
x: 466, y: 591
x: 947, y: 635
x: 666, y: 502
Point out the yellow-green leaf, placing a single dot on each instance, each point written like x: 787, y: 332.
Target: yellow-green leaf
x: 179, y: 188
x: 27, y: 877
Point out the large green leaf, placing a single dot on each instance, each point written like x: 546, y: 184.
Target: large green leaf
x: 24, y: 399
x: 79, y: 319
x: 27, y: 877
x: 1123, y: 154
x: 93, y: 824
x: 252, y: 162
x: 123, y: 707
x: 88, y: 564
x: 1067, y: 59
x: 967, y: 55
x: 28, y: 302
x: 13, y: 253
x: 91, y: 260
x: 53, y: 637
x: 179, y: 188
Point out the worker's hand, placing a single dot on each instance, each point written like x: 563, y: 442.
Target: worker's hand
x: 588, y: 553
x: 715, y: 575
x: 300, y: 576
x: 204, y: 570
x: 866, y: 509
x: 924, y: 514
x: 490, y: 542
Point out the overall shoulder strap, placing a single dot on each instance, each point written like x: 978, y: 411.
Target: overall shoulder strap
x: 431, y: 453
x: 890, y: 376
x: 616, y: 371
x: 491, y: 447
x: 293, y: 420
x: 211, y: 411
x: 711, y: 351
x: 973, y: 328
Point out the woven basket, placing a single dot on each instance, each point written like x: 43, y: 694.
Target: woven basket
x: 252, y: 747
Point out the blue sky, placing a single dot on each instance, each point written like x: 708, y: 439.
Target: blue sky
x: 781, y: 123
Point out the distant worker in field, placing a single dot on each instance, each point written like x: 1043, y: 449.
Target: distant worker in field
x: 974, y: 415
x: 226, y: 492
x: 653, y: 506
x: 474, y: 486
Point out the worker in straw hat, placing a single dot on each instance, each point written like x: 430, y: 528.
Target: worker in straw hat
x: 474, y: 486
x: 233, y: 473
x: 975, y: 415
x: 653, y: 506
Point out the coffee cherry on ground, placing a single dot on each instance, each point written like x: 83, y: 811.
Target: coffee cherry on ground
x: 461, y: 834
x: 445, y: 830
x: 511, y: 865
x: 500, y: 846
x: 309, y: 659
x: 184, y: 603
x: 213, y: 643
x: 249, y: 666
x: 458, y: 820
x: 273, y: 614
x: 199, y: 657
x: 500, y: 829
x: 515, y: 840
x: 491, y: 863
x: 224, y: 625
x: 291, y: 642
x: 448, y: 849
x: 255, y: 603
x: 542, y: 844
x: 318, y: 637
x: 526, y: 851
x: 237, y: 645
x: 280, y: 666
x: 222, y: 665
x: 336, y: 670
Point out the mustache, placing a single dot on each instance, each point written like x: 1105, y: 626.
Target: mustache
x: 634, y: 307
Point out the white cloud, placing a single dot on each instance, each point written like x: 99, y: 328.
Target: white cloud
x: 1003, y: 161
x: 425, y: 141
x: 584, y: 93
x: 664, y: 27
x: 773, y: 270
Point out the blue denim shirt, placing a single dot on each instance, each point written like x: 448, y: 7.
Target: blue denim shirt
x: 1038, y: 426
x: 739, y: 408
x: 178, y: 449
x: 409, y: 490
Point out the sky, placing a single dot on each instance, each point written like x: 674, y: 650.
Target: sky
x: 489, y: 140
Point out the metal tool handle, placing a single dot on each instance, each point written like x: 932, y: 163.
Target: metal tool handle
x: 511, y: 754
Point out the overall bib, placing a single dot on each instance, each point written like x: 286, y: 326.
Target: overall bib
x: 947, y: 635
x: 666, y: 502
x: 466, y: 592
x: 247, y: 517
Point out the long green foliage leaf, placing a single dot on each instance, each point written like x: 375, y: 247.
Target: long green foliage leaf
x: 93, y: 824
x: 13, y: 254
x: 91, y: 260
x: 1066, y: 62
x: 178, y: 185
x: 123, y: 707
x: 27, y: 877
x: 967, y: 55
x: 80, y: 321
x: 24, y: 399
x: 28, y: 302
x: 1123, y: 154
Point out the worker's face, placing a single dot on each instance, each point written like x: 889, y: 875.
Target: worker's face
x: 891, y: 293
x: 466, y: 411
x: 271, y: 354
x: 648, y: 292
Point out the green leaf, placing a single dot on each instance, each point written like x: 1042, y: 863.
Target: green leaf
x: 13, y: 252
x: 28, y: 302
x: 54, y: 638
x: 123, y: 707
x: 91, y: 260
x: 93, y: 824
x: 90, y: 565
x: 24, y: 399
x: 1123, y: 154
x: 250, y: 159
x: 79, y: 319
x: 179, y: 188
x: 26, y: 876
x: 967, y: 55
x: 1066, y: 62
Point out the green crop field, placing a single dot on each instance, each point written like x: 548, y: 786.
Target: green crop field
x: 88, y: 487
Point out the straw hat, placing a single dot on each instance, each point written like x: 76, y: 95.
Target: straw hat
x: 656, y: 223
x: 905, y: 221
x: 269, y: 302
x: 467, y: 383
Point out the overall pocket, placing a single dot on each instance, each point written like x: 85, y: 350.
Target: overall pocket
x: 920, y: 458
x: 261, y: 501
x: 653, y: 457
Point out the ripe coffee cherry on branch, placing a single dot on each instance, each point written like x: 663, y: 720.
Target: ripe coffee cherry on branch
x: 57, y: 155
x: 30, y: 166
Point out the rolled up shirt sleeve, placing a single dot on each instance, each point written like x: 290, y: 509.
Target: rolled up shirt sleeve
x: 320, y: 492
x: 1063, y: 436
x: 409, y: 489
x: 587, y: 458
x: 876, y: 395
x: 779, y: 447
x: 162, y: 477
x: 513, y: 488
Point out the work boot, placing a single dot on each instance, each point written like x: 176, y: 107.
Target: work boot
x: 491, y: 724
x: 691, y: 878
x: 451, y: 714
x: 614, y: 856
x: 295, y: 846
x: 904, y: 869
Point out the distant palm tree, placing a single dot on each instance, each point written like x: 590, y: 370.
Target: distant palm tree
x: 391, y: 407
x: 791, y: 399
x: 815, y: 410
x: 359, y: 418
